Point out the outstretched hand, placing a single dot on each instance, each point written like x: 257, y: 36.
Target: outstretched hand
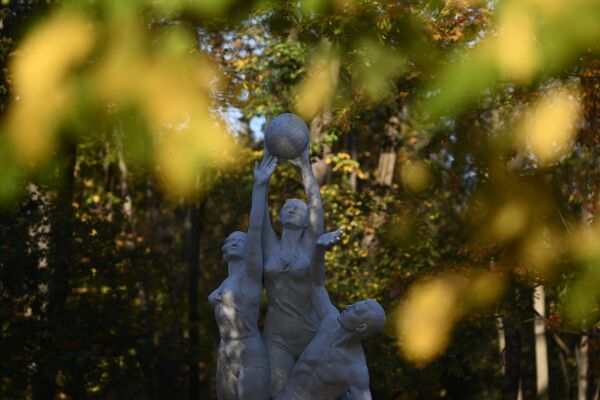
x: 327, y: 240
x: 264, y: 170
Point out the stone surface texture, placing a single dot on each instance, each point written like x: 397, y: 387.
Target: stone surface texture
x: 308, y: 349
x: 286, y: 136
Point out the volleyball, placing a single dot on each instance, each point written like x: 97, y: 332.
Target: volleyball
x: 286, y: 137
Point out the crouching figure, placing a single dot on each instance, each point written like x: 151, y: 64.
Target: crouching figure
x: 334, y: 363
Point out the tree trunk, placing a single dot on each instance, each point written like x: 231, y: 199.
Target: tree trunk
x: 541, y: 347
x: 528, y: 360
x: 195, y: 210
x: 512, y: 356
x: 127, y: 208
x: 387, y: 159
x: 354, y: 155
x: 320, y: 167
x: 581, y: 355
x: 39, y: 233
x: 588, y: 351
x: 593, y: 384
x: 48, y: 365
x: 385, y: 169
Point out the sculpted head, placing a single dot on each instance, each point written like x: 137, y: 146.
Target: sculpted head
x: 294, y: 214
x: 363, y: 318
x: 234, y: 247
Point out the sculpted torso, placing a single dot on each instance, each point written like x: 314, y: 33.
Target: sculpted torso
x: 333, y: 365
x: 291, y: 321
x: 236, y: 304
x: 326, y: 370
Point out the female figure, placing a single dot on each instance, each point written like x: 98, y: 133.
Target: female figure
x: 242, y: 364
x: 291, y: 321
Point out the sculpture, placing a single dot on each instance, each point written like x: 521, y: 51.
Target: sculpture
x: 242, y: 364
x: 291, y: 321
x: 286, y: 137
x: 308, y: 349
x: 334, y: 361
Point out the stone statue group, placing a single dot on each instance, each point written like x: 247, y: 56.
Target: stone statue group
x: 308, y: 349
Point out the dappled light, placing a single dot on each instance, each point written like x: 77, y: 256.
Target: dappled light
x: 540, y: 250
x: 548, y: 129
x: 416, y: 176
x: 424, y: 323
x: 317, y: 90
x: 583, y: 242
x: 166, y: 83
x: 43, y: 83
x: 376, y: 66
x: 517, y: 54
x: 484, y: 289
x: 510, y: 220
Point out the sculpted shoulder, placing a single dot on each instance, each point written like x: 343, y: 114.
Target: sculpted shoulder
x: 215, y: 296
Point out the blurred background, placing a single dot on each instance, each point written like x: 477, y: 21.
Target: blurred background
x: 456, y: 141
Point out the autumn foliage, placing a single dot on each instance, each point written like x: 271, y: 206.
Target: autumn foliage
x: 455, y: 141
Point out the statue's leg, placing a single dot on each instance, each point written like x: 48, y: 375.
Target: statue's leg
x: 226, y: 380
x: 281, y: 362
x: 253, y: 383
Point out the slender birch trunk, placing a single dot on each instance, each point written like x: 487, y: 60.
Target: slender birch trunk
x: 541, y: 346
x: 581, y: 355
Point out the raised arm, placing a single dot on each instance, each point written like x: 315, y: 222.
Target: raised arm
x: 320, y: 298
x: 269, y: 238
x: 322, y: 303
x: 315, y: 226
x: 262, y: 174
x: 324, y: 243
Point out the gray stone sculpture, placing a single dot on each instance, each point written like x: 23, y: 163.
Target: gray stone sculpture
x: 308, y: 350
x: 291, y: 321
x: 286, y: 137
x: 334, y: 361
x: 242, y: 364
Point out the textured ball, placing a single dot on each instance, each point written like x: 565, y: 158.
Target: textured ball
x: 286, y: 136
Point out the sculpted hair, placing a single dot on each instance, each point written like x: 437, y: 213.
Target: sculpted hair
x: 289, y: 202
x: 375, y: 318
x: 239, y: 234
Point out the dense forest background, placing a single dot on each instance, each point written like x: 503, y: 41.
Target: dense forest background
x: 455, y: 141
